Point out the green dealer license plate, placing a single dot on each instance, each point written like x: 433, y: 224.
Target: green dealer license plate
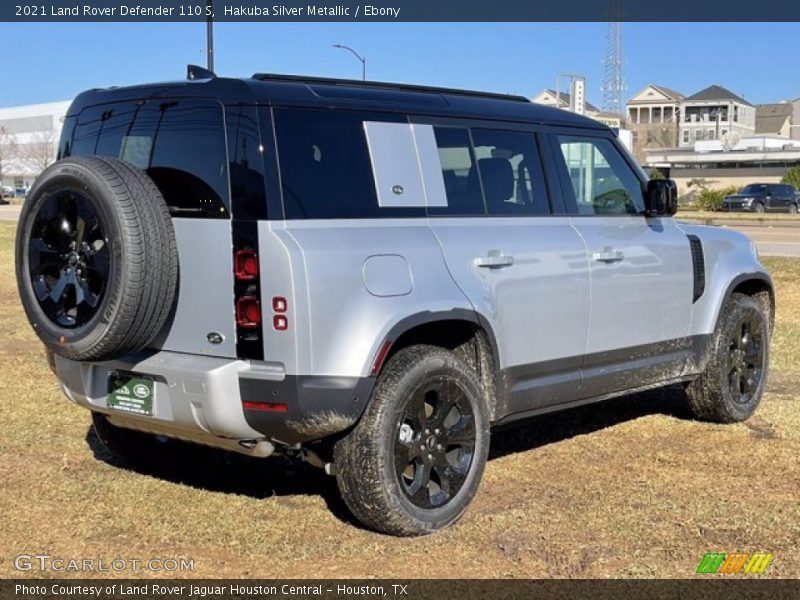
x: 130, y: 392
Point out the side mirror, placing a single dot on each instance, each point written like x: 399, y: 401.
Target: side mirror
x: 661, y: 198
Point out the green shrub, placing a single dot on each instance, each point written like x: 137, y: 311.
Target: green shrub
x: 792, y: 177
x: 712, y: 199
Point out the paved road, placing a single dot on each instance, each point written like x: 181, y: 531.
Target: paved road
x: 771, y: 241
x: 774, y: 241
x: 9, y: 212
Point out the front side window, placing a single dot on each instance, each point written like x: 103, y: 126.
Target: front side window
x: 600, y: 179
x: 511, y: 172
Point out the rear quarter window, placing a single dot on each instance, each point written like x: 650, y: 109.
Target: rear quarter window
x: 325, y: 166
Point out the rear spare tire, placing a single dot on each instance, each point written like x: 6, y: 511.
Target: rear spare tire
x: 96, y: 258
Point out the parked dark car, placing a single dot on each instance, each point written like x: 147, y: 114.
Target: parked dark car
x: 763, y: 197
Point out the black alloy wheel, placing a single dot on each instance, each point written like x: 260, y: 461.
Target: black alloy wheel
x: 746, y: 358
x: 435, y: 444
x: 68, y: 258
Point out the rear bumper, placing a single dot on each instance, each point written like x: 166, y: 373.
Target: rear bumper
x: 199, y: 399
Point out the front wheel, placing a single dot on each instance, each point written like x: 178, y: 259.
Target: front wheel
x: 730, y: 388
x: 759, y: 208
x: 793, y: 209
x: 413, y: 463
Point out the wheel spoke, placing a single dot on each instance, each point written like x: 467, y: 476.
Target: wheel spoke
x: 418, y: 490
x: 42, y: 255
x: 58, y: 289
x: 462, y: 433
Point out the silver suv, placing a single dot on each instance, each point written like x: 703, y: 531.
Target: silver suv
x: 370, y: 277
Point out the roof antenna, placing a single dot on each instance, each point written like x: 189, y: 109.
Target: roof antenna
x: 194, y: 72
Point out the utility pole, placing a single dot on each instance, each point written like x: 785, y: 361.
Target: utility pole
x: 210, y: 33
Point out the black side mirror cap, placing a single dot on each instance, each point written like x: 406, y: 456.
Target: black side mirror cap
x: 661, y: 198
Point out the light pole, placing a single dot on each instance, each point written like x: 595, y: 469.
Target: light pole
x: 358, y: 56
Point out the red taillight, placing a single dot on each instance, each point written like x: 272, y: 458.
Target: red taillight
x: 266, y: 406
x: 248, y: 312
x: 245, y: 265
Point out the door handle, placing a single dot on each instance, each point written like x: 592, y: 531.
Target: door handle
x: 608, y: 255
x: 495, y: 260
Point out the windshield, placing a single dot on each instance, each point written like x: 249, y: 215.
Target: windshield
x: 753, y: 188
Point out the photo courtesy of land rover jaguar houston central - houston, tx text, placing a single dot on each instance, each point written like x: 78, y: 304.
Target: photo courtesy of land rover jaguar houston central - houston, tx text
x: 370, y: 277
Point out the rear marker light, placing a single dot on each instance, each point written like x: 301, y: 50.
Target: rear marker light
x: 381, y: 357
x: 266, y: 406
x: 279, y: 304
x: 245, y: 265
x: 280, y: 323
x: 248, y: 312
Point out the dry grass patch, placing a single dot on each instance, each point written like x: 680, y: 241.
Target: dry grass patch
x: 627, y: 488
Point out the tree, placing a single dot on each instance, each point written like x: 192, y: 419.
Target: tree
x: 656, y: 174
x: 9, y: 150
x: 792, y: 177
x: 40, y: 152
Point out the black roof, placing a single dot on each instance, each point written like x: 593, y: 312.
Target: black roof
x: 291, y: 90
x: 717, y: 92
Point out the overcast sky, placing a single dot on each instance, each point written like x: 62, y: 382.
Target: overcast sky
x: 761, y: 61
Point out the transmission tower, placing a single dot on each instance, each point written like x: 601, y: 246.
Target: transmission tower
x: 613, y: 84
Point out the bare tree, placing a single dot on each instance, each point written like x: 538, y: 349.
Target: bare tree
x: 40, y: 152
x: 9, y: 149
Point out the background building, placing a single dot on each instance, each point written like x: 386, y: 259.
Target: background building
x: 715, y: 113
x: 774, y: 120
x: 28, y: 139
x: 653, y: 117
x: 563, y: 100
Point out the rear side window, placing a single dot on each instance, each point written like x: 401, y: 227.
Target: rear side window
x: 511, y: 172
x: 325, y: 165
x: 180, y: 143
x: 460, y: 172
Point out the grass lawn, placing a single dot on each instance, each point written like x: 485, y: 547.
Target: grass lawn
x: 627, y: 488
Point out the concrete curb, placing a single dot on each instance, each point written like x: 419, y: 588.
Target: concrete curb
x: 741, y: 222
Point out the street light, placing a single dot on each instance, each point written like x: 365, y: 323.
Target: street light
x: 358, y: 56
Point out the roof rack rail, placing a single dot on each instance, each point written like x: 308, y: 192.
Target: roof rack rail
x: 383, y: 85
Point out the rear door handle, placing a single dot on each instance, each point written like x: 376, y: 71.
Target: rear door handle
x: 608, y: 255
x: 495, y: 260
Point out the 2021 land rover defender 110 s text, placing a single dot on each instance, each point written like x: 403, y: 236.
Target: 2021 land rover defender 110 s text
x: 370, y: 276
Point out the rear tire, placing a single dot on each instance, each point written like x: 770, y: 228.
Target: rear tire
x: 134, y: 448
x: 730, y: 388
x: 413, y: 463
x: 96, y: 259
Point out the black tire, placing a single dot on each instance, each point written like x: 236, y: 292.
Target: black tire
x: 793, y: 209
x: 759, y: 207
x: 134, y: 448
x: 393, y: 475
x: 100, y: 284
x: 739, y: 360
